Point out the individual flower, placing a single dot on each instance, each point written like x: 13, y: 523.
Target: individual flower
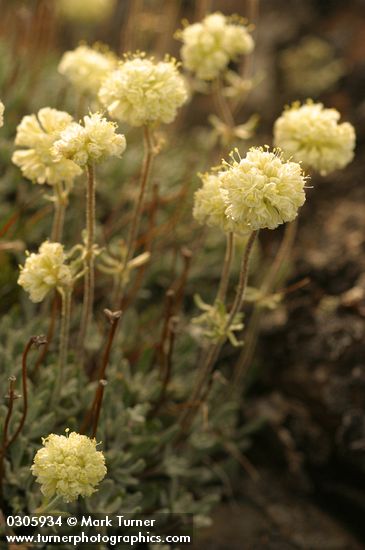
x: 209, y: 46
x: 44, y: 271
x: 210, y: 204
x: 86, y: 67
x: 2, y: 109
x: 86, y: 11
x: 263, y: 190
x: 312, y: 134
x: 143, y: 92
x: 93, y: 141
x: 38, y: 133
x: 68, y: 467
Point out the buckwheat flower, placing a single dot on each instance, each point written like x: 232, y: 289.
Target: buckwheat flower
x: 86, y: 68
x: 93, y: 141
x: 143, y: 92
x: 2, y: 109
x: 38, y: 133
x: 68, y: 467
x: 312, y: 134
x: 262, y: 189
x: 210, y: 204
x: 44, y: 271
x: 209, y: 46
x: 86, y: 11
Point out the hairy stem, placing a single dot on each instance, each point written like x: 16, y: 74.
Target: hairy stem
x: 213, y: 353
x: 59, y: 213
x: 137, y: 214
x: 89, y: 281
x: 267, y: 286
x: 223, y: 284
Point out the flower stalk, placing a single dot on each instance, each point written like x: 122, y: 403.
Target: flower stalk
x: 89, y: 281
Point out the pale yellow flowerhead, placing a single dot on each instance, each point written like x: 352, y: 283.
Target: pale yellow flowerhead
x: 263, y: 191
x: 94, y: 141
x: 86, y: 68
x: 209, y: 46
x: 86, y: 11
x: 144, y: 92
x: 2, y: 109
x: 38, y: 133
x: 312, y: 134
x: 68, y: 466
x: 45, y: 271
x: 210, y: 204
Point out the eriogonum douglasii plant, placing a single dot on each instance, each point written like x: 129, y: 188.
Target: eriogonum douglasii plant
x: 151, y: 427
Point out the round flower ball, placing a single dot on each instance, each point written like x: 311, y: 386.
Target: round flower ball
x: 68, y: 466
x: 38, y: 133
x: 144, y: 92
x: 86, y: 11
x: 2, y: 109
x: 86, y: 67
x: 210, y: 204
x: 94, y: 141
x: 313, y: 135
x: 209, y: 46
x: 263, y: 190
x: 45, y: 271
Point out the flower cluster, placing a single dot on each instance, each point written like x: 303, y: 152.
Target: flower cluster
x: 210, y: 204
x: 256, y: 192
x: 86, y: 68
x: 143, y: 92
x: 86, y: 10
x: 45, y: 271
x: 209, y: 46
x: 2, y: 109
x: 38, y: 133
x: 68, y: 466
x: 311, y: 134
x: 93, y: 141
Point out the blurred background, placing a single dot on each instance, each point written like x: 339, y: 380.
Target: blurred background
x: 310, y: 377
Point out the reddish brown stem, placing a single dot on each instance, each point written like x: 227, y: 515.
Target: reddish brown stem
x: 98, y: 402
x: 11, y: 396
x: 38, y: 341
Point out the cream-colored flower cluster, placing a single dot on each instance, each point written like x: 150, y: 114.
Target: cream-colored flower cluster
x: 2, y: 109
x: 38, y: 133
x: 45, y: 271
x: 256, y: 192
x: 68, y: 466
x: 210, y: 204
x: 93, y: 141
x: 209, y: 46
x: 143, y: 92
x: 86, y: 67
x: 312, y: 134
x: 86, y: 10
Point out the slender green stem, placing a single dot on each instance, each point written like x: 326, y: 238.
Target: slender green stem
x: 213, y: 353
x: 89, y: 281
x: 66, y: 295
x: 149, y: 154
x: 222, y: 104
x: 268, y: 285
x: 59, y: 213
x: 223, y: 284
x: 48, y: 506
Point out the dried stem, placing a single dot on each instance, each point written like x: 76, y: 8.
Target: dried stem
x: 89, y: 282
x: 223, y: 285
x: 11, y: 396
x: 113, y: 317
x: 50, y: 333
x: 98, y: 402
x: 38, y: 341
x: 213, y: 353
